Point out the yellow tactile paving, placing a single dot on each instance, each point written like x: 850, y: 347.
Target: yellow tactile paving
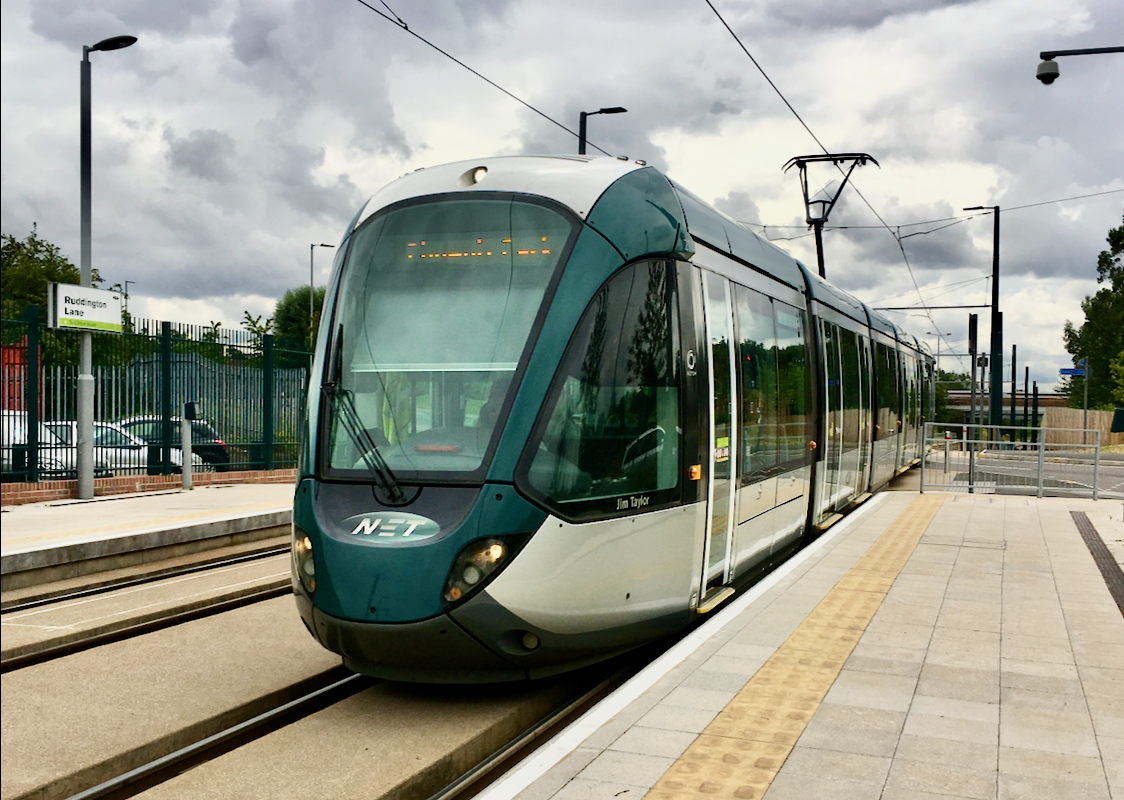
x: 744, y: 747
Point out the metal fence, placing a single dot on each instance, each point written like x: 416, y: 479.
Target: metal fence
x: 249, y: 390
x: 987, y: 459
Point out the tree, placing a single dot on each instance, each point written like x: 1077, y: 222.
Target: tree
x: 1117, y: 370
x: 26, y: 267
x: 258, y: 330
x: 1100, y: 339
x: 290, y: 319
x: 946, y: 382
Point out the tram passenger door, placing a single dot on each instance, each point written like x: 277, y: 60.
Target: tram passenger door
x: 723, y: 471
x: 833, y: 418
x: 867, y: 409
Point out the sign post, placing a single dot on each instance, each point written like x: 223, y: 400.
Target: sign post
x: 84, y: 309
x: 1079, y: 372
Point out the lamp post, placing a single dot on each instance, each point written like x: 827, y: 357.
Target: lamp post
x: 939, y: 337
x: 86, y: 355
x: 995, y: 400
x: 312, y: 291
x: 581, y: 123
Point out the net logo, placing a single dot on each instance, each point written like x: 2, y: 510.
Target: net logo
x: 391, y: 527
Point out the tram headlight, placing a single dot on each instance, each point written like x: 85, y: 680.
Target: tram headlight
x: 304, y: 564
x: 473, y: 565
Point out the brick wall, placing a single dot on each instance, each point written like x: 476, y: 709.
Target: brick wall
x: 45, y: 491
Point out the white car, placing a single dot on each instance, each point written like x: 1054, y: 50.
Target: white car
x: 115, y: 449
x: 55, y: 458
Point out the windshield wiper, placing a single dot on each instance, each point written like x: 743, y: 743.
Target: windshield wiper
x: 343, y: 404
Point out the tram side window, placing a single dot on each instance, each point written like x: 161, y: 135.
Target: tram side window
x: 612, y: 434
x: 757, y: 352
x: 852, y: 397
x: 889, y: 403
x: 792, y: 386
x: 909, y: 379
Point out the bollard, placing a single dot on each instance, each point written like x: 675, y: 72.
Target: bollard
x: 1096, y: 464
x: 189, y: 415
x: 185, y: 450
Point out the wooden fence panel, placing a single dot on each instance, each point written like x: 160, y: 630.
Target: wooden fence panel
x: 1074, y: 418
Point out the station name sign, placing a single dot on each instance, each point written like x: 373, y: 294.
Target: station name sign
x: 80, y: 308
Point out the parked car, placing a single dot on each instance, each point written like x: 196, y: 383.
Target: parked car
x: 115, y: 448
x: 56, y: 460
x: 205, y: 440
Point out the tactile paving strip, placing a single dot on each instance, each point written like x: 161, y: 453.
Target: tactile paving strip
x: 1110, y: 570
x: 745, y: 746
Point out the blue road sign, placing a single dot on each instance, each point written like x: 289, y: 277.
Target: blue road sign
x: 1077, y: 371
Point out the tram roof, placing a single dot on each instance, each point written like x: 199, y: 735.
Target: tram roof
x: 574, y: 181
x: 578, y: 182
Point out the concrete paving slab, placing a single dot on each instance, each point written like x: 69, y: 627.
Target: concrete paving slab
x: 40, y: 525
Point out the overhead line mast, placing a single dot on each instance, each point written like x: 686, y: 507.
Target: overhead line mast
x: 817, y: 220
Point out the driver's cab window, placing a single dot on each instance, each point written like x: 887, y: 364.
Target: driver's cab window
x: 610, y: 441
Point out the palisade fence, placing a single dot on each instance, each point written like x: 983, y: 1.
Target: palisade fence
x: 1038, y: 462
x: 249, y: 389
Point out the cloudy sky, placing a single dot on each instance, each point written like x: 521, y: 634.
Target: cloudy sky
x: 235, y: 133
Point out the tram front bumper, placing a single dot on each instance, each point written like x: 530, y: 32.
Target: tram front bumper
x: 435, y: 650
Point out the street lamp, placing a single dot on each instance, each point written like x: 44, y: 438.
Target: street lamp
x: 995, y: 401
x: 581, y: 123
x: 312, y: 291
x: 939, y: 337
x: 1048, y: 71
x: 86, y: 353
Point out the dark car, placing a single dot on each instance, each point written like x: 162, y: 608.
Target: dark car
x: 205, y: 440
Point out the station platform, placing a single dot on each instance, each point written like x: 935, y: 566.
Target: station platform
x: 928, y: 646
x: 106, y: 532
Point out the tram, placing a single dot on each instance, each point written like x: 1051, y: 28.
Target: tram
x: 561, y: 407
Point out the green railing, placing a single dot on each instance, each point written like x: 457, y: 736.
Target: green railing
x: 250, y: 393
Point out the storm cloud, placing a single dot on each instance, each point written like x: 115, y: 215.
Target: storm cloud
x: 236, y: 132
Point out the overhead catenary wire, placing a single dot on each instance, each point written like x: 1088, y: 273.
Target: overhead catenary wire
x: 905, y: 258
x: 951, y: 287
x: 1006, y: 209
x: 399, y: 23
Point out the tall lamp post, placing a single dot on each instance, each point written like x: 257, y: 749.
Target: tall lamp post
x: 581, y: 123
x: 86, y: 355
x: 939, y: 337
x: 312, y: 291
x: 995, y: 400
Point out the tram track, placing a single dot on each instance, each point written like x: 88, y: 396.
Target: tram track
x: 58, y: 623
x: 502, y: 725
x: 460, y: 773
x: 159, y: 770
x: 78, y: 645
x: 49, y: 596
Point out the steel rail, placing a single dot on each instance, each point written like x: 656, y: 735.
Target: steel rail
x: 137, y: 780
x: 495, y: 765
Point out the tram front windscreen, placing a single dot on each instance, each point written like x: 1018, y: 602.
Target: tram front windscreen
x: 436, y: 303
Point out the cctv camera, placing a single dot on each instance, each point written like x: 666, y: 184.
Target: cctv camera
x: 1048, y: 71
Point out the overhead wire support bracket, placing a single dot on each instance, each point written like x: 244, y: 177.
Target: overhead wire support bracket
x: 818, y: 220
